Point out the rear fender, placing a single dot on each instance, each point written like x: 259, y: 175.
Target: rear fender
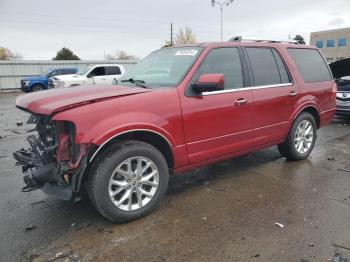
x: 304, y: 106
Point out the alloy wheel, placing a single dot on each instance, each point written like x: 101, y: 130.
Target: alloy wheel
x: 133, y: 183
x: 304, y: 135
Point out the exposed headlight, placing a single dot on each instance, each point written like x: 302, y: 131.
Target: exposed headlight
x: 26, y: 82
x: 47, y: 134
x: 50, y: 135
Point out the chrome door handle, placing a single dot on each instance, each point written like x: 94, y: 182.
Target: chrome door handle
x: 241, y: 101
x: 293, y: 93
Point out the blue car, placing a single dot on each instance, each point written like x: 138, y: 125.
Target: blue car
x: 37, y: 83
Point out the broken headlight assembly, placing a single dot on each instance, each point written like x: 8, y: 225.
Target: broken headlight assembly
x: 53, y: 157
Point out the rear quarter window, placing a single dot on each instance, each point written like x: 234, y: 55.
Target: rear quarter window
x: 310, y: 64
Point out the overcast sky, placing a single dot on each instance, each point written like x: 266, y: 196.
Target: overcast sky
x: 38, y: 28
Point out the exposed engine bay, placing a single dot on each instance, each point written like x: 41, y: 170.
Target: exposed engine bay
x: 54, y: 162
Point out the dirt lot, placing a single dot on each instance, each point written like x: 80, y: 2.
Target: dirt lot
x: 223, y: 212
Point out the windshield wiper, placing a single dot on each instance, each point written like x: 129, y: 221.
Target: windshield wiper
x: 140, y: 83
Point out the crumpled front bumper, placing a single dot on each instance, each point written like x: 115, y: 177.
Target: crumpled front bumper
x: 40, y: 171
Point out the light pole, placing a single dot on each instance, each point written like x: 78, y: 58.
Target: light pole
x: 221, y: 4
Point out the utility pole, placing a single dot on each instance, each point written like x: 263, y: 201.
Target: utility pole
x: 221, y: 4
x: 171, y: 33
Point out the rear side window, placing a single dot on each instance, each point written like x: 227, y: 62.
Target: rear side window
x: 281, y: 68
x: 310, y: 64
x: 113, y: 70
x: 224, y: 61
x: 267, y: 67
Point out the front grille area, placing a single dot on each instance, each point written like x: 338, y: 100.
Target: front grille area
x: 23, y: 84
x: 50, y: 84
x: 343, y: 96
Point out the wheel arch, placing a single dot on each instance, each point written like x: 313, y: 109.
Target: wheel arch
x: 311, y: 109
x: 38, y: 83
x: 151, y: 137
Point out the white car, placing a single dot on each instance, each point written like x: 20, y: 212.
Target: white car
x: 98, y: 74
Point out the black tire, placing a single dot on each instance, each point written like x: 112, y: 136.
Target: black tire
x: 288, y: 148
x: 102, y: 170
x: 37, y: 88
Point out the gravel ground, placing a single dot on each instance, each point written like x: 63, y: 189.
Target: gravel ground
x: 223, y: 212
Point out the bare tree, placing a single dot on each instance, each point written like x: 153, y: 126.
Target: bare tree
x: 184, y: 36
x: 7, y: 54
x: 121, y: 55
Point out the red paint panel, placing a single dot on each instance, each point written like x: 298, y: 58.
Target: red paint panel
x: 272, y: 110
x: 215, y: 124
x: 55, y: 100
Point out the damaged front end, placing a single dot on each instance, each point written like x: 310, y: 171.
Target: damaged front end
x: 54, y: 162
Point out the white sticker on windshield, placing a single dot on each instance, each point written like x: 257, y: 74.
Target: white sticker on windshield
x: 191, y: 52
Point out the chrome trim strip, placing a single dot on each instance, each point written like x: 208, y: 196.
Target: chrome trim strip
x: 244, y: 89
x: 128, y: 131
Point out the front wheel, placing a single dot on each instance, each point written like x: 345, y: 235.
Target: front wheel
x: 37, y: 88
x: 301, y: 138
x: 128, y: 181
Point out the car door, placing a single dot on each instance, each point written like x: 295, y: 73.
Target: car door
x: 218, y: 123
x: 98, y: 75
x: 274, y: 93
x: 112, y: 73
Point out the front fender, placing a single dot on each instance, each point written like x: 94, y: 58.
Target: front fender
x: 137, y: 122
x: 100, y: 132
x: 37, y: 82
x: 157, y: 112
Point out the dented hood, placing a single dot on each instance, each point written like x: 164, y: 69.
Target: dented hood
x: 52, y: 101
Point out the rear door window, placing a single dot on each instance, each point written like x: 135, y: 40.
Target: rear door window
x: 310, y: 64
x: 113, y: 70
x: 267, y: 66
x: 284, y: 75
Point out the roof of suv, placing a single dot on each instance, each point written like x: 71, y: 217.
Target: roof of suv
x: 249, y: 43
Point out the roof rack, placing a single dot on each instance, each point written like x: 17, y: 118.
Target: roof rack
x: 241, y: 39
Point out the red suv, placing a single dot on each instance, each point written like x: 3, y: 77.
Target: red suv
x: 178, y: 109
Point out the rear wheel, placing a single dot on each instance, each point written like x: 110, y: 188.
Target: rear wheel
x: 301, y: 138
x: 128, y: 181
x: 37, y: 88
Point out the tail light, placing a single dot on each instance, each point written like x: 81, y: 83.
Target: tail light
x: 334, y: 87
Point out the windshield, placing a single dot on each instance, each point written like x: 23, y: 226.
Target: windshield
x: 83, y: 71
x: 46, y: 73
x: 165, y: 67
